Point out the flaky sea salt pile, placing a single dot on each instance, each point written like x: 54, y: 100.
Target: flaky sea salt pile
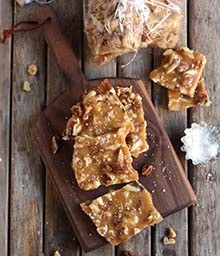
x: 201, y: 143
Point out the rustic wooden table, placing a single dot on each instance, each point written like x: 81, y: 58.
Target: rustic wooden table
x: 32, y: 219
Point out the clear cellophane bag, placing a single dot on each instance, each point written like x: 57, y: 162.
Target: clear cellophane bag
x: 115, y: 27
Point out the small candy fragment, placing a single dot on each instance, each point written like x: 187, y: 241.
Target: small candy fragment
x: 26, y: 86
x: 32, y: 70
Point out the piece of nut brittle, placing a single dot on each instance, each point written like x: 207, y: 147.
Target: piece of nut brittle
x: 101, y: 112
x: 180, y: 69
x: 120, y: 214
x: 103, y: 160
x: 132, y: 102
x: 178, y: 101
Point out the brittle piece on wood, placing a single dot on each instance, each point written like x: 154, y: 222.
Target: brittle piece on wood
x: 120, y: 214
x: 180, y: 69
x: 132, y: 102
x: 163, y: 24
x: 103, y: 160
x: 101, y: 112
x: 178, y: 101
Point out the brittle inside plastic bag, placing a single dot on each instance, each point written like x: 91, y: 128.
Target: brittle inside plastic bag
x: 113, y: 28
x: 119, y: 26
x: 162, y: 26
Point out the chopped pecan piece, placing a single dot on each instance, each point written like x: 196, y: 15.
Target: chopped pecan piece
x: 77, y: 110
x: 146, y: 170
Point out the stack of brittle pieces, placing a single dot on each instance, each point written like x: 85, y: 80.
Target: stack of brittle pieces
x: 181, y: 72
x: 109, y: 128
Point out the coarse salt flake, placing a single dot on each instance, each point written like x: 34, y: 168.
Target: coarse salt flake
x: 201, y: 143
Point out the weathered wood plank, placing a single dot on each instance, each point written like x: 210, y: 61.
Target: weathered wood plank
x: 58, y: 232
x: 92, y: 70
x: 175, y: 123
x: 204, y: 36
x: 138, y: 68
x: 27, y: 177
x: 5, y: 84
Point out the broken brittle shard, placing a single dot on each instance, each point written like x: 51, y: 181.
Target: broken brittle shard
x: 178, y: 101
x: 108, y: 128
x: 103, y: 160
x: 101, y: 111
x: 120, y: 214
x: 180, y: 71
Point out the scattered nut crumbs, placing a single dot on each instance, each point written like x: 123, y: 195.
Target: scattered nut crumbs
x: 26, y: 86
x: 170, y: 238
x: 127, y: 253
x: 54, y: 144
x: 56, y: 253
x: 168, y: 241
x: 32, y: 70
x: 146, y: 170
x: 171, y: 233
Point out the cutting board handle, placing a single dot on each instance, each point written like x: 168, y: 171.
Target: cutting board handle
x: 60, y: 47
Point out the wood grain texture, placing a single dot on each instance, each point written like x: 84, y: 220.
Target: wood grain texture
x: 27, y: 178
x: 204, y: 36
x: 175, y: 123
x: 138, y: 68
x: 5, y: 85
x: 58, y: 231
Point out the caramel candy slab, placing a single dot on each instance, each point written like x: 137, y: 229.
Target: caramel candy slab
x: 180, y: 69
x: 132, y: 102
x: 101, y: 112
x: 103, y: 160
x: 120, y: 214
x: 178, y: 101
x: 163, y: 24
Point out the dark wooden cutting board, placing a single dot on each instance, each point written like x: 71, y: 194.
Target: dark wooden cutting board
x: 170, y: 188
